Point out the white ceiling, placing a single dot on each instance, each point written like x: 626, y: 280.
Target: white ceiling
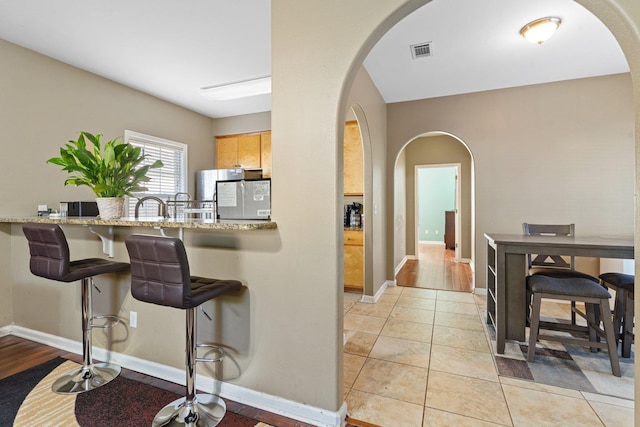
x: 170, y: 49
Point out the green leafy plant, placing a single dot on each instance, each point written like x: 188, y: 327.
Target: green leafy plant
x: 112, y: 171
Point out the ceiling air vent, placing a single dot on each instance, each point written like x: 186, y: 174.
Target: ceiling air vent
x: 421, y: 50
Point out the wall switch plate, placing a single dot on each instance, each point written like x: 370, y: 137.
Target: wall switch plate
x: 133, y: 319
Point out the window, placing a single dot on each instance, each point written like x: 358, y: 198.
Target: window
x: 165, y: 182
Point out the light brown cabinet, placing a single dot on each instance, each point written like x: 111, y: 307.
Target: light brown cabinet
x: 249, y: 151
x: 353, y: 160
x: 354, y: 260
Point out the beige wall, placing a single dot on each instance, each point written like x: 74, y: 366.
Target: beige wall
x: 45, y: 103
x: 433, y: 150
x: 242, y: 124
x: 553, y: 153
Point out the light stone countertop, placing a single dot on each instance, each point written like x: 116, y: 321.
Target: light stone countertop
x: 204, y: 224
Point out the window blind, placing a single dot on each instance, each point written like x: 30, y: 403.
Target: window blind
x: 163, y: 182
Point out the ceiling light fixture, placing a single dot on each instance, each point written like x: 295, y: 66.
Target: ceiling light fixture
x: 241, y: 89
x: 540, y: 30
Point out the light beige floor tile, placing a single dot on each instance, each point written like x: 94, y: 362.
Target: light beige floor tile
x: 412, y: 314
x: 375, y: 310
x: 465, y: 297
x: 530, y: 385
x: 457, y: 307
x: 480, y: 299
x: 388, y: 298
x: 407, y: 330
x: 394, y: 380
x: 383, y: 411
x: 397, y: 350
x: 352, y: 296
x: 464, y: 362
x: 359, y: 343
x: 423, y: 303
x: 537, y: 409
x: 466, y: 396
x: 347, y: 307
x: 613, y: 416
x: 368, y: 324
x: 460, y: 338
x: 352, y: 366
x: 419, y: 293
x: 456, y: 320
x: 610, y: 400
x: 438, y: 418
x: 393, y: 290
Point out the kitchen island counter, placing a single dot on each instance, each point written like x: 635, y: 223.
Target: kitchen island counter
x: 204, y: 224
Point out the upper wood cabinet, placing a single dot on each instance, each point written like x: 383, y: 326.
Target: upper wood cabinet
x: 265, y: 154
x: 249, y: 151
x: 353, y: 160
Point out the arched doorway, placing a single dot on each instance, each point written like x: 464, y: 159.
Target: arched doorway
x: 431, y: 149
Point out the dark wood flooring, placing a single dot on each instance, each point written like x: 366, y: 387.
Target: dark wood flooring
x: 436, y: 268
x: 18, y: 354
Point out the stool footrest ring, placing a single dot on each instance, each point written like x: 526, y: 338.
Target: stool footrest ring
x: 214, y: 348
x: 109, y: 321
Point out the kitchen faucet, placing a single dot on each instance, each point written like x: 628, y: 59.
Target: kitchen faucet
x: 162, y: 206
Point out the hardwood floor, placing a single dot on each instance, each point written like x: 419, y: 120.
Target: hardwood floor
x: 436, y: 268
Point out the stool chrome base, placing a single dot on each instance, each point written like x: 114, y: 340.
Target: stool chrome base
x: 86, y: 378
x: 206, y: 410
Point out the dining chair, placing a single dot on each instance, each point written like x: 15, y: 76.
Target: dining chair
x: 554, y: 265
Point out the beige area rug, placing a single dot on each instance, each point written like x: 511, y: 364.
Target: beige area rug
x: 45, y: 408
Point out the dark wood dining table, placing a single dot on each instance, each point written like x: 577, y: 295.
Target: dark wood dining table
x: 507, y: 270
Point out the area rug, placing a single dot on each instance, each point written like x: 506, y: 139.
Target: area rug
x: 566, y: 366
x: 26, y: 400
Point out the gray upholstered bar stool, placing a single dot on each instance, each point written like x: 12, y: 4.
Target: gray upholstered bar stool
x: 160, y: 275
x: 50, y: 259
x: 623, y: 285
x: 573, y: 289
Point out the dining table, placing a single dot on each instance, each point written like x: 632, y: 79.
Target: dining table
x: 507, y: 270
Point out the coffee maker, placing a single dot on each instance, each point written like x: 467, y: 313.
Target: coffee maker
x: 353, y: 215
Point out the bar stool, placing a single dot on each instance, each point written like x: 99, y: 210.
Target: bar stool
x: 573, y: 289
x: 49, y: 252
x: 160, y: 275
x: 623, y: 321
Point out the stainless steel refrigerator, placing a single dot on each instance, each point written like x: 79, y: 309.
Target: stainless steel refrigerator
x: 206, y: 180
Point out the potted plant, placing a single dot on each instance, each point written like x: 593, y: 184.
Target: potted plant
x: 112, y: 171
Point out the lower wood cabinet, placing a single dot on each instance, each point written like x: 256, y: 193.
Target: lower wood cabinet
x: 354, y: 260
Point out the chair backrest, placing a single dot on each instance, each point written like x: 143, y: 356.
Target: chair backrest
x: 549, y: 261
x: 49, y: 251
x: 159, y: 270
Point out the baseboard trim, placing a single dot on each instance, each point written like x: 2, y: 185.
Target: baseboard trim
x: 376, y: 297
x: 480, y: 291
x: 277, y: 405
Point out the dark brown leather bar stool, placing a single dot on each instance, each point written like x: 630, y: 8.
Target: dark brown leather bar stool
x: 160, y: 275
x: 50, y: 259
x: 623, y: 321
x: 573, y: 289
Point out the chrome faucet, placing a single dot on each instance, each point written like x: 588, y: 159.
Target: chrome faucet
x: 162, y: 206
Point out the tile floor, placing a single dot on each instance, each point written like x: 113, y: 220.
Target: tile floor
x: 421, y: 358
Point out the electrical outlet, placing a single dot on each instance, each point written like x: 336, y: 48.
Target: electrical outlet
x: 133, y: 319
x: 426, y: 231
x: 437, y: 232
